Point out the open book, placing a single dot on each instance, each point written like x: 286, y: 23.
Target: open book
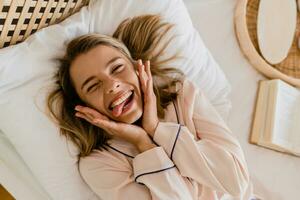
x: 276, y: 123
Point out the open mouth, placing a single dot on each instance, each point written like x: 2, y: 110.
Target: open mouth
x: 128, y: 100
x: 124, y: 103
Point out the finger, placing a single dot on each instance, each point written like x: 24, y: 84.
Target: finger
x: 87, y: 116
x: 148, y: 70
x: 102, y: 123
x: 108, y: 126
x: 135, y: 62
x: 140, y: 62
x: 83, y: 116
x: 150, y: 91
x: 139, y: 65
x: 90, y: 112
x: 142, y: 77
x: 136, y: 66
x: 148, y: 94
x: 148, y: 84
x: 149, y: 87
x: 144, y: 74
x: 95, y: 121
x: 149, y: 81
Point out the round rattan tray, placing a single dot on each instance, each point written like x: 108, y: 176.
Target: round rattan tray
x: 246, y: 30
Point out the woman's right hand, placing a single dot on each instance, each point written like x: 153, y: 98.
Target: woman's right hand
x: 131, y: 133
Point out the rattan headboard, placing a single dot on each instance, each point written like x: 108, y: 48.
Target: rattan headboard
x: 21, y: 18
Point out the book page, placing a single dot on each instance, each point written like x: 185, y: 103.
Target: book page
x: 296, y: 128
x: 287, y: 101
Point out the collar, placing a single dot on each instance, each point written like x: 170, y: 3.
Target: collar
x: 129, y: 150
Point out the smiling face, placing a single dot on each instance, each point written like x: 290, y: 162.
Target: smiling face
x: 106, y: 80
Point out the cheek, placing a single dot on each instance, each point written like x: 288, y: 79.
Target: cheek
x: 139, y: 92
x: 96, y: 102
x: 136, y: 82
x: 130, y: 76
x: 134, y: 79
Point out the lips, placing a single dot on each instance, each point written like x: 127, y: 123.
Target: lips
x: 121, y: 98
x: 120, y: 105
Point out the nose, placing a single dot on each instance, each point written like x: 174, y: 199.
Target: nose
x: 114, y: 87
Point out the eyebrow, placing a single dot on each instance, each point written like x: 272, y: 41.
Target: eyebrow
x: 92, y: 77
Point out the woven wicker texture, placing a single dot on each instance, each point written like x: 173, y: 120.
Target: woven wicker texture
x: 291, y: 64
x: 21, y: 18
x: 245, y: 27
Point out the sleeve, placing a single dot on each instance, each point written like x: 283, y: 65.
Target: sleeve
x: 152, y: 176
x: 213, y: 157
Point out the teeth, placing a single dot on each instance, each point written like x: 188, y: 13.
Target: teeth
x: 121, y: 99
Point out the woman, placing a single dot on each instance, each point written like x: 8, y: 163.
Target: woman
x: 143, y: 130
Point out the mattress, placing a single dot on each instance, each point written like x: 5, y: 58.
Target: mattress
x: 275, y: 175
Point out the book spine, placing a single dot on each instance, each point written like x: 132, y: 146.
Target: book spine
x: 270, y: 119
x: 258, y: 125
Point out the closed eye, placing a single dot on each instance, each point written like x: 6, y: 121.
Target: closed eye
x: 117, y: 68
x: 92, y: 87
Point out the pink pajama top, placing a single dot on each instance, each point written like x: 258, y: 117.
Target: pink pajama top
x: 196, y: 158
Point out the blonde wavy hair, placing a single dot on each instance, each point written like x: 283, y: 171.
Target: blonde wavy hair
x: 137, y: 38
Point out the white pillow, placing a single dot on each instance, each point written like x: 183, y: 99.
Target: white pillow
x: 26, y: 70
x: 199, y: 65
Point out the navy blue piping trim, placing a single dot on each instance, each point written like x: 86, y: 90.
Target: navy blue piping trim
x: 154, y: 142
x: 153, y: 172
x: 175, y: 141
x: 120, y: 151
x: 176, y: 112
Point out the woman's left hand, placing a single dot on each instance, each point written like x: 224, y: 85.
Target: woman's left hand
x: 150, y: 119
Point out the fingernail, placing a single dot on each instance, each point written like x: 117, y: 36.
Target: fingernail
x: 140, y: 62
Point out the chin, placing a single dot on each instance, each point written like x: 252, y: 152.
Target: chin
x: 133, y: 118
x: 130, y: 118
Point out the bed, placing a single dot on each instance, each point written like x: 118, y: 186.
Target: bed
x: 275, y: 175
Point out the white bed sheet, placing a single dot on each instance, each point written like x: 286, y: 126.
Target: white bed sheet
x: 275, y: 175
x: 15, y: 176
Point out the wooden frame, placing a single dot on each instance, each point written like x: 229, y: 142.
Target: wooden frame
x: 21, y: 18
x: 289, y: 69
